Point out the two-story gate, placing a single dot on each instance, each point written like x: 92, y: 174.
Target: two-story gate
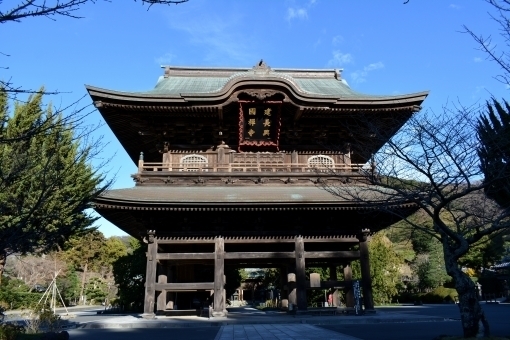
x: 232, y: 165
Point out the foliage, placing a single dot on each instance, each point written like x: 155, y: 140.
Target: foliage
x: 234, y: 278
x: 494, y: 151
x: 433, y: 164
x: 10, y: 331
x: 16, y: 294
x: 42, y: 319
x: 484, y: 253
x: 384, y: 268
x: 96, y: 290
x: 440, y: 295
x: 69, y: 286
x: 129, y: 274
x: 46, y: 182
x: 112, y: 250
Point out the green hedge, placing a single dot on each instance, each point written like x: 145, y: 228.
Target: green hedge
x: 440, y: 295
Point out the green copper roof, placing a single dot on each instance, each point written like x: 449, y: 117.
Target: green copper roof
x: 181, y: 80
x: 194, y: 84
x: 178, y: 85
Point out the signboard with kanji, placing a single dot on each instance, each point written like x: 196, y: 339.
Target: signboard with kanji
x: 259, y: 124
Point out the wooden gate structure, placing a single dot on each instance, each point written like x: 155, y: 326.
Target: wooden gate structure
x: 231, y: 168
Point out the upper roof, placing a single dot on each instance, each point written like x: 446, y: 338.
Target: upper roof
x: 179, y: 80
x: 190, y: 105
x: 205, y: 84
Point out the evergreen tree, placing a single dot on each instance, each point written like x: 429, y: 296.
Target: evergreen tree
x: 46, y: 182
x: 129, y: 273
x: 494, y: 151
x: 384, y: 268
x: 85, y: 253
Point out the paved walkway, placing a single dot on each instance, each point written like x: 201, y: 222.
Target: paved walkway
x: 277, y: 332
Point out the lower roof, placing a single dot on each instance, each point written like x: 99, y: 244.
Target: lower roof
x: 226, y: 196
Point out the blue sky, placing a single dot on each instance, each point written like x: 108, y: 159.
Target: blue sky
x: 384, y: 47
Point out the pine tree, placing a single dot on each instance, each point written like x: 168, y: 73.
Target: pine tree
x: 494, y: 151
x: 46, y: 182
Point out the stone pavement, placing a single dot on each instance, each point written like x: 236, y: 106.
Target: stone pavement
x: 252, y: 324
x: 277, y: 332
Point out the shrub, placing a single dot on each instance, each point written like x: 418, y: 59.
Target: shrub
x: 9, y: 331
x: 440, y: 295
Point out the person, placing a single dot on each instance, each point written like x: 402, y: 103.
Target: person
x: 330, y: 300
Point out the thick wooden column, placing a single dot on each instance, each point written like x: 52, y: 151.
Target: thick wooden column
x: 291, y: 286
x: 333, y: 277
x: 349, y: 293
x: 366, y: 280
x: 300, y: 273
x: 219, y: 277
x: 161, y: 299
x: 150, y: 275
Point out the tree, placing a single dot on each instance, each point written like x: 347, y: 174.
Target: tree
x: 494, y: 151
x: 84, y: 253
x: 50, y: 9
x: 384, y: 268
x: 129, y: 274
x: 433, y: 163
x: 485, y: 43
x: 46, y: 183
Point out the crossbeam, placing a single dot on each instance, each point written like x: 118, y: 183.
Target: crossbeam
x: 190, y: 286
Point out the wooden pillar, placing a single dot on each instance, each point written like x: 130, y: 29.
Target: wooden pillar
x: 349, y: 293
x: 219, y: 276
x: 162, y: 295
x: 300, y: 273
x: 150, y: 275
x: 170, y: 295
x: 333, y: 277
x: 291, y: 286
x: 366, y: 280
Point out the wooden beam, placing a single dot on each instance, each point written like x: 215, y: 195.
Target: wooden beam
x: 347, y: 254
x: 189, y: 286
x: 259, y: 255
x: 190, y: 240
x: 264, y: 240
x: 328, y: 285
x: 186, y: 256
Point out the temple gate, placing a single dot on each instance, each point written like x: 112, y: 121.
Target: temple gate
x: 232, y: 165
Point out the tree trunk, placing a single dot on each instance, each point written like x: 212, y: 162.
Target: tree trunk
x: 471, y: 313
x: 3, y: 259
x: 83, y: 278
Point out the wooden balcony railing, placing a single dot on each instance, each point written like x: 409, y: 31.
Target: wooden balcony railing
x: 245, y: 167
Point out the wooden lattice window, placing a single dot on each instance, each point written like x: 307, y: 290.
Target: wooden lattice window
x: 321, y: 163
x: 193, y: 163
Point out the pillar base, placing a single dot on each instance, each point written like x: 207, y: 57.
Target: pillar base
x: 369, y: 311
x: 148, y: 316
x: 222, y: 314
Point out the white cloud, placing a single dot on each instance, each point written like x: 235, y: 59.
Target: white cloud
x: 454, y: 6
x: 216, y: 38
x: 299, y: 13
x: 339, y: 59
x: 165, y: 59
x: 337, y: 40
x: 360, y: 76
x: 477, y: 60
